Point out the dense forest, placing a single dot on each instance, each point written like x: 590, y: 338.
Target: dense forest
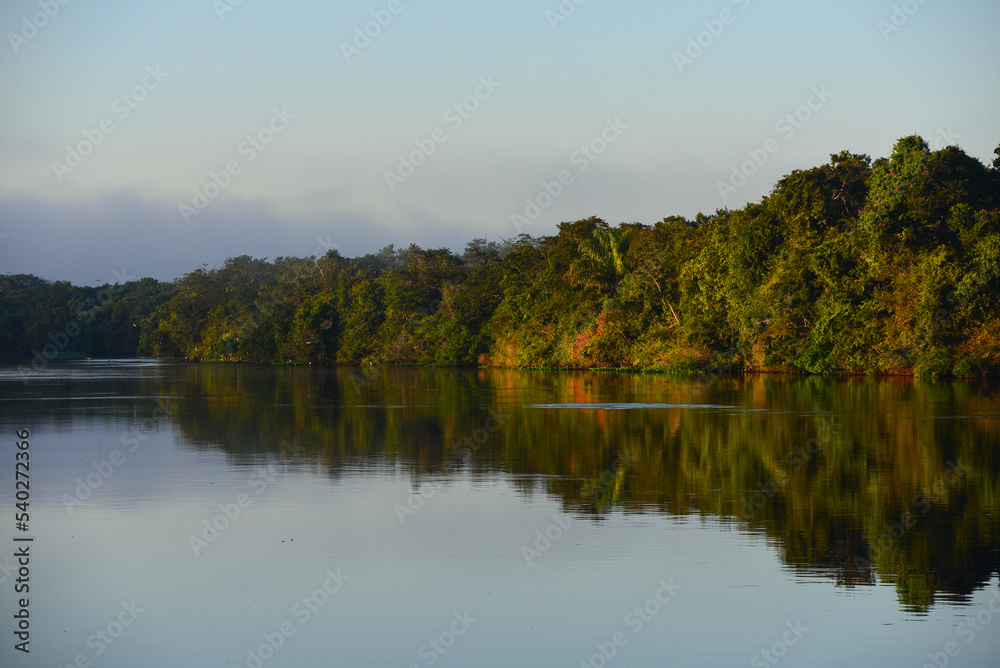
x: 856, y: 266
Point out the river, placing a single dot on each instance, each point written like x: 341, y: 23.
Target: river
x: 189, y: 515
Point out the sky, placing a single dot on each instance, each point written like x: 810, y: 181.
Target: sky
x: 148, y: 138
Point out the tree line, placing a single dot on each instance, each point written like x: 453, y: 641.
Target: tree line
x: 855, y: 266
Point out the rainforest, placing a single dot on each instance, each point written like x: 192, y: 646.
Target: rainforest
x: 858, y: 266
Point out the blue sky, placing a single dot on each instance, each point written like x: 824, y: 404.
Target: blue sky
x: 225, y: 76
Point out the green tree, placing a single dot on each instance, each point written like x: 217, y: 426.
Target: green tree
x: 602, y: 258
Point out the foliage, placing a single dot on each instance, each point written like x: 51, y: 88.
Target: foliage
x: 850, y: 267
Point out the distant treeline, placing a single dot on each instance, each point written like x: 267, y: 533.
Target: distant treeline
x: 850, y: 267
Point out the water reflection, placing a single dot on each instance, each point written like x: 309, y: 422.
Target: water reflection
x: 859, y: 480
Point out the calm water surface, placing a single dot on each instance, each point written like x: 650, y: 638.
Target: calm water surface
x: 245, y: 516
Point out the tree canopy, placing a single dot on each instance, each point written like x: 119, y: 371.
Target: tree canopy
x: 855, y: 266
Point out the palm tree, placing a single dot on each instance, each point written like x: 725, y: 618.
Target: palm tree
x: 603, y: 257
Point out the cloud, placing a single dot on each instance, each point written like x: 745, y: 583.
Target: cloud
x: 84, y: 239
